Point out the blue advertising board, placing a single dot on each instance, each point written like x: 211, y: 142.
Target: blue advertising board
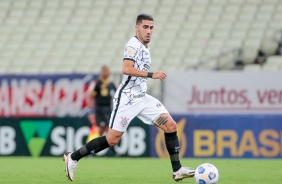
x: 224, y: 136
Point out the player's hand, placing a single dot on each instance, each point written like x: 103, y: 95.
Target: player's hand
x: 159, y: 75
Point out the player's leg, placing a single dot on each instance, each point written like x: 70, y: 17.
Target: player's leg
x: 105, y: 128
x: 99, y: 120
x: 165, y: 122
x: 168, y: 125
x: 120, y: 119
x: 94, y: 146
x: 155, y: 113
x: 105, y: 119
x: 98, y: 144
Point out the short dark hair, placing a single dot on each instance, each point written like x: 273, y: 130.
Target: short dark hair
x: 144, y: 16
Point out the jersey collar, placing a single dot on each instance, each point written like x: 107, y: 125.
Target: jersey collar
x: 141, y: 42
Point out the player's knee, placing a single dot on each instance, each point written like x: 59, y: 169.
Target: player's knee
x: 171, y: 127
x: 113, y: 139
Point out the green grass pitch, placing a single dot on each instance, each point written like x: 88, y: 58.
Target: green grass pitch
x: 26, y: 170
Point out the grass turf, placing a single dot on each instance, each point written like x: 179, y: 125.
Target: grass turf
x: 26, y: 170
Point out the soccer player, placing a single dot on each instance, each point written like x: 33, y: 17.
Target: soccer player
x: 102, y: 94
x: 131, y: 100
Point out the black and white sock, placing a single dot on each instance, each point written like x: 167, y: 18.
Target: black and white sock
x: 172, y: 145
x: 94, y: 146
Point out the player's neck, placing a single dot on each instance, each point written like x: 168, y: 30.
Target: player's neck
x: 145, y: 44
x: 103, y: 79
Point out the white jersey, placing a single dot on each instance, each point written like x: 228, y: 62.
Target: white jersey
x: 134, y: 87
x: 131, y: 99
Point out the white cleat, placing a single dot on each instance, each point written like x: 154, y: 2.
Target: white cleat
x: 182, y: 173
x: 70, y: 166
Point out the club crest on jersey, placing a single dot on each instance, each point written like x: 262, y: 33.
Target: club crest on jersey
x: 124, y: 121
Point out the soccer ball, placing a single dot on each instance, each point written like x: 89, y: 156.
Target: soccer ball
x: 206, y: 174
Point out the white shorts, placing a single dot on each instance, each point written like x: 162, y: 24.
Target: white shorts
x: 146, y: 108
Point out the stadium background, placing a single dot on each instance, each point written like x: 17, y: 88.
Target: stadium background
x: 226, y: 51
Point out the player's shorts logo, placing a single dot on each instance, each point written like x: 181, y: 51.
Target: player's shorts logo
x: 124, y: 121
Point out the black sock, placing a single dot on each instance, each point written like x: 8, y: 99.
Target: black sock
x: 172, y: 146
x: 94, y: 146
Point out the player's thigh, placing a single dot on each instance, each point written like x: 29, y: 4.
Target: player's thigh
x: 121, y: 117
x: 152, y: 110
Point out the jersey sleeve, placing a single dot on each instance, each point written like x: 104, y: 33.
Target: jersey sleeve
x: 130, y: 52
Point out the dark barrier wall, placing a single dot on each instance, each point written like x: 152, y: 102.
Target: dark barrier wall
x: 218, y: 136
x: 54, y: 136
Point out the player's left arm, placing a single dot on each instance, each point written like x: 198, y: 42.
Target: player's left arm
x: 92, y: 94
x: 129, y: 69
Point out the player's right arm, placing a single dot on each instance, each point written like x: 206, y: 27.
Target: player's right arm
x: 129, y: 69
x: 91, y: 95
x: 131, y: 53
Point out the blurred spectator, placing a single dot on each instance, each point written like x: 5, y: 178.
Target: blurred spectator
x: 100, y: 101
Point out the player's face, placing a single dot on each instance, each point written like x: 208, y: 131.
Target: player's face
x: 105, y: 72
x: 144, y: 31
